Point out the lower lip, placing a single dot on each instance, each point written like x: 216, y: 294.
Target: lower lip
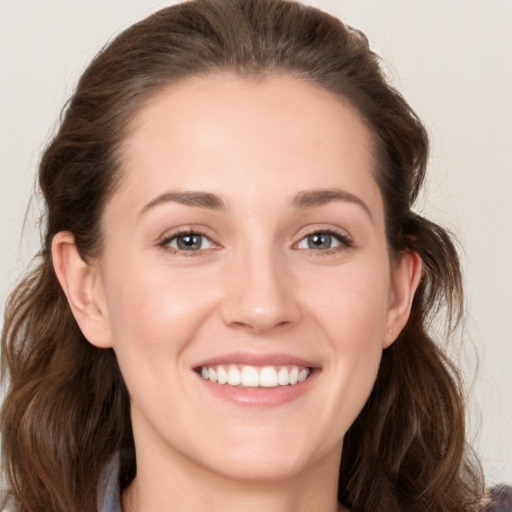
x: 262, y: 397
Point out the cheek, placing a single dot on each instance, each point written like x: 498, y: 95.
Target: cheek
x: 353, y: 317
x: 153, y: 310
x: 153, y: 319
x: 352, y: 304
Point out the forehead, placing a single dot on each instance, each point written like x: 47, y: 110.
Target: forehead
x: 228, y: 134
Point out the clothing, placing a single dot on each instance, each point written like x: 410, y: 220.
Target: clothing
x: 500, y: 499
x: 109, y: 493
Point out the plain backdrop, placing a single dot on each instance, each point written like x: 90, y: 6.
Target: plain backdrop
x: 452, y: 60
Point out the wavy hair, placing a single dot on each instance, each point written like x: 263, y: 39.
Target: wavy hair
x: 66, y: 409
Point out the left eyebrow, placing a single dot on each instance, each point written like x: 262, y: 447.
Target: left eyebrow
x: 319, y: 197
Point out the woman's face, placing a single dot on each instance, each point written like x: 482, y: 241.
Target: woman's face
x: 246, y: 243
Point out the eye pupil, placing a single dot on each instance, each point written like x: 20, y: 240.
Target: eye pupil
x: 319, y: 241
x: 189, y: 242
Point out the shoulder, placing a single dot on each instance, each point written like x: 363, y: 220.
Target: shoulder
x: 499, y: 499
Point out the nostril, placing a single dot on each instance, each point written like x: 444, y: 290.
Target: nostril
x: 260, y: 326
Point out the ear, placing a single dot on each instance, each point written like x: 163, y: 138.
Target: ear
x: 405, y: 278
x: 83, y: 287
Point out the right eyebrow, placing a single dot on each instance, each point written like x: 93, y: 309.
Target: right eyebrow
x: 189, y: 198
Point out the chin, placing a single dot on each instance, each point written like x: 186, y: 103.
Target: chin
x: 260, y: 469
x: 268, y: 459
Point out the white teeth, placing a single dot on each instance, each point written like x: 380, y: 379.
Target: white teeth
x: 303, y: 375
x: 222, y: 376
x: 254, y: 376
x: 283, y: 377
x: 212, y: 375
x: 233, y: 376
x: 249, y: 377
x: 268, y: 377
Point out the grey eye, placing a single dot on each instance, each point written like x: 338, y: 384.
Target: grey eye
x: 189, y: 242
x: 319, y: 241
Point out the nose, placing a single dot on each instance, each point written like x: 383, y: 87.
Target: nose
x: 260, y: 296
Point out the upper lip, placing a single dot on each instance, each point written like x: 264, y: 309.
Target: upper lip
x: 252, y: 359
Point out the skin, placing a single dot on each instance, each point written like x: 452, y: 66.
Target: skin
x: 256, y: 287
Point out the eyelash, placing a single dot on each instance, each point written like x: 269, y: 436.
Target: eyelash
x: 345, y: 242
x: 166, y: 240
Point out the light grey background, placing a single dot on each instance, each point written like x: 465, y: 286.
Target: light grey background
x: 452, y: 61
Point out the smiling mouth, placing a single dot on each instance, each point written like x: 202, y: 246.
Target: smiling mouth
x: 248, y: 376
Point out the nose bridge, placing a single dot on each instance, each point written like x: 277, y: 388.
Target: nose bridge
x: 259, y: 296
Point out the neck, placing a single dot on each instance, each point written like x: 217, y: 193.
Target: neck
x: 182, y: 486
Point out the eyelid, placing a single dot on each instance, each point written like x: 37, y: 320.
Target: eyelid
x: 343, y: 237
x: 165, y: 239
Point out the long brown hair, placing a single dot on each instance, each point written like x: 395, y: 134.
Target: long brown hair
x: 67, y: 409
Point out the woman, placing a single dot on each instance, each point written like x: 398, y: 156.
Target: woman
x: 232, y: 304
